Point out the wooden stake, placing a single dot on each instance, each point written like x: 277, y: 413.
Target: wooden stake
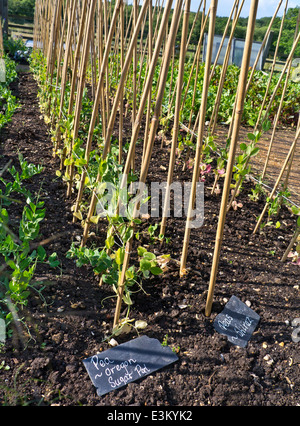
x: 74, y: 76
x: 255, y: 64
x: 231, y: 157
x: 145, y: 165
x: 272, y: 67
x: 278, y: 179
x: 177, y: 112
x: 65, y: 71
x: 150, y: 52
x: 112, y: 117
x: 289, y: 67
x: 99, y: 94
x: 79, y: 97
x: 290, y: 246
x: 214, y: 115
x: 289, y: 59
x: 212, y: 21
x: 121, y: 104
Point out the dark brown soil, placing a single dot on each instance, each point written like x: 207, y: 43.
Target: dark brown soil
x: 70, y: 321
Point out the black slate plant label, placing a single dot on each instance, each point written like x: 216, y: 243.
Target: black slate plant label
x: 126, y: 363
x: 237, y: 321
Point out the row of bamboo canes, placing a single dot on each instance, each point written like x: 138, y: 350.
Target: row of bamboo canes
x: 77, y: 34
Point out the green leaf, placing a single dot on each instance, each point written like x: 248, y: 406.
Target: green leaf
x: 109, y: 242
x: 41, y: 253
x: 296, y: 210
x: 4, y: 216
x: 145, y: 265
x: 266, y: 125
x: 53, y: 260
x: 254, y: 151
x: 156, y: 270
x: 119, y: 257
x: 141, y: 251
x: 130, y: 275
x: 149, y: 256
x: 128, y: 234
x: 127, y: 299
x: 251, y: 136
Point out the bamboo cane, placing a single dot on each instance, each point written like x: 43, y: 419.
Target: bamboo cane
x: 278, y: 180
x: 121, y: 105
x: 256, y: 61
x: 198, y: 52
x: 231, y: 157
x: 142, y: 52
x: 177, y: 111
x: 100, y: 47
x: 212, y: 21
x: 289, y: 67
x: 289, y: 59
x: 214, y: 115
x: 193, y: 24
x: 289, y: 167
x: 275, y: 123
x: 158, y: 15
x: 79, y: 97
x: 139, y: 115
x: 290, y: 246
x: 147, y: 91
x: 273, y: 66
x: 98, y: 95
x: 234, y: 8
x: 237, y: 187
x: 145, y: 165
x: 193, y: 102
x: 52, y: 50
x: 263, y: 44
x: 150, y: 52
x: 171, y: 82
x: 134, y: 77
x: 111, y: 121
x: 65, y: 70
x: 74, y: 76
x: 66, y: 20
x: 107, y: 69
x: 1, y: 41
x: 47, y: 36
x: 93, y: 60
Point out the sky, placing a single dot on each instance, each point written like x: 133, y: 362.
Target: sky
x: 266, y: 8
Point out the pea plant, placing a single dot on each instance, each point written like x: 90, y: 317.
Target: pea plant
x: 107, y: 262
x: 243, y: 166
x: 8, y: 102
x: 19, y: 251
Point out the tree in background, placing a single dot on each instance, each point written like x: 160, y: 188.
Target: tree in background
x: 21, y: 8
x: 288, y: 33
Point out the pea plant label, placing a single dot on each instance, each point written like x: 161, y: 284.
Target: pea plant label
x: 126, y: 363
x: 237, y: 321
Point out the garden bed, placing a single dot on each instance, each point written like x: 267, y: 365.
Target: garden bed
x: 70, y: 322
